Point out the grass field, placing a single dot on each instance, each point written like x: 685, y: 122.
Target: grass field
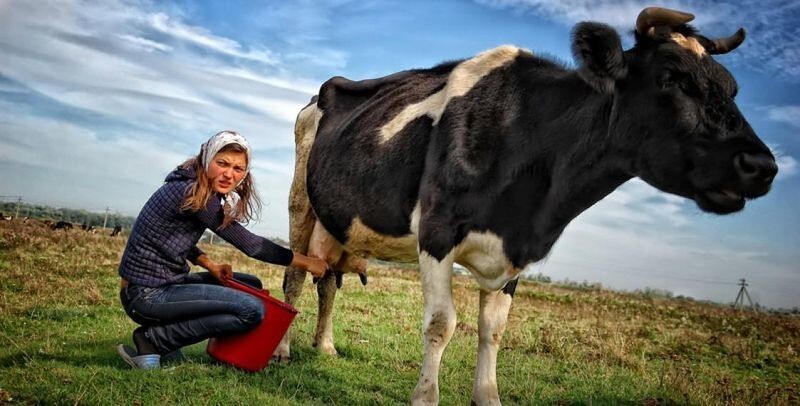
x: 60, y: 319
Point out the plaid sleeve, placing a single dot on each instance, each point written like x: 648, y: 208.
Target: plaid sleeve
x: 194, y: 253
x: 251, y: 244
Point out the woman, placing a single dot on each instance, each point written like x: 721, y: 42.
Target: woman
x: 175, y: 308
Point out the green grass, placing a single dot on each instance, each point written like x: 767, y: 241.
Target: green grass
x: 60, y: 319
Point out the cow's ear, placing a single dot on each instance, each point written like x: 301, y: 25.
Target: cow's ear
x: 598, y: 51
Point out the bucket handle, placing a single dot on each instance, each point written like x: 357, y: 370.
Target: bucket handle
x: 237, y: 284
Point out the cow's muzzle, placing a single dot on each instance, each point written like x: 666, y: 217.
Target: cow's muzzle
x: 754, y: 175
x: 756, y: 172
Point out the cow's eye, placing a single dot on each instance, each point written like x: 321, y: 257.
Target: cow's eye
x: 667, y: 79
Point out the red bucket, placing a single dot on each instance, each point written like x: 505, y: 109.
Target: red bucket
x: 252, y: 350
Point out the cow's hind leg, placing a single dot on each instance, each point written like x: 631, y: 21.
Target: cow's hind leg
x: 494, y: 308
x: 323, y: 245
x: 301, y: 216
x: 323, y: 338
x: 438, y: 324
x: 326, y: 290
x: 301, y: 223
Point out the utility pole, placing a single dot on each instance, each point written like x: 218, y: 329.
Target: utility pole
x: 16, y: 212
x: 739, y: 302
x: 105, y: 219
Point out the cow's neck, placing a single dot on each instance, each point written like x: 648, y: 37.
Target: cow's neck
x: 583, y: 167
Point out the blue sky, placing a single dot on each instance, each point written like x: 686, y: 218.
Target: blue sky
x: 100, y: 99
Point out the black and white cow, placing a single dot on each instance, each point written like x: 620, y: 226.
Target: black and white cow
x: 484, y: 162
x: 115, y: 232
x: 62, y: 225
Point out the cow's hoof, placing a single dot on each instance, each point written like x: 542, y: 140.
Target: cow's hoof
x: 486, y: 402
x: 425, y: 401
x: 281, y: 354
x: 326, y: 348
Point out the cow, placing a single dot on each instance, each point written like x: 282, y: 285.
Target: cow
x: 89, y: 228
x: 116, y: 231
x: 62, y: 225
x: 484, y: 162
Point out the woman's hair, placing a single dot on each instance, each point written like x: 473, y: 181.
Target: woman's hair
x: 197, y: 195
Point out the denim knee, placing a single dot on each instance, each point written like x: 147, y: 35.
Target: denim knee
x: 252, y: 311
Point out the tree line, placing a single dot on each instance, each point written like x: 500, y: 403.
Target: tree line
x: 77, y: 216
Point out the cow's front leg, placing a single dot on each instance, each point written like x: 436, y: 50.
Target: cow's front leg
x: 437, y: 326
x: 494, y: 308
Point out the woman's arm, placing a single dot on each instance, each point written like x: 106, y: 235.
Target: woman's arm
x: 250, y: 244
x: 256, y: 246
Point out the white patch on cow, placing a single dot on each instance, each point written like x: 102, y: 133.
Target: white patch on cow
x: 482, y: 253
x: 415, y: 216
x: 366, y: 242
x: 439, y: 322
x: 689, y: 43
x: 461, y: 80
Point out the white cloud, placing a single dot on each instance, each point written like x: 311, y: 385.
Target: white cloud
x: 201, y: 36
x: 784, y: 114
x: 787, y: 165
x: 126, y: 80
x: 145, y: 44
x: 636, y: 203
x: 771, y: 25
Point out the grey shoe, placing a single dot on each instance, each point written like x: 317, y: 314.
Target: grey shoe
x: 130, y: 356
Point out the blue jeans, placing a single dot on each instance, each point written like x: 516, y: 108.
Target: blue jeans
x: 185, y: 313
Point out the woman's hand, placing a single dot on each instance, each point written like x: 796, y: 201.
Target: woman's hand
x: 221, y: 272
x: 315, y: 266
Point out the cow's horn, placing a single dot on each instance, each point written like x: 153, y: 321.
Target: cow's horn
x: 657, y: 16
x: 728, y: 44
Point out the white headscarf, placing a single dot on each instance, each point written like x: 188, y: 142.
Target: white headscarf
x: 210, y: 149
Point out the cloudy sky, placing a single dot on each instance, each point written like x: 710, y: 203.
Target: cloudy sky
x: 100, y: 99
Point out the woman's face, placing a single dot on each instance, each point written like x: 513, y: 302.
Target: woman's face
x: 226, y: 170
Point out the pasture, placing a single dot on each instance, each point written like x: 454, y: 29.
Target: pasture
x: 60, y: 319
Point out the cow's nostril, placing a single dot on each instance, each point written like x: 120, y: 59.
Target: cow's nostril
x: 755, y: 167
x: 744, y: 167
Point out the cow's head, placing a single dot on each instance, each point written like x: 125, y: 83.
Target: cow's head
x: 674, y: 113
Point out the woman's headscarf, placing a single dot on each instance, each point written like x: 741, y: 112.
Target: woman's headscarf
x: 211, y: 147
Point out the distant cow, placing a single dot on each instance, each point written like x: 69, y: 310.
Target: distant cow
x: 483, y: 162
x: 89, y: 228
x: 116, y: 231
x: 62, y: 225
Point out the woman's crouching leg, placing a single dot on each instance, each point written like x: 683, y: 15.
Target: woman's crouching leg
x: 194, y: 319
